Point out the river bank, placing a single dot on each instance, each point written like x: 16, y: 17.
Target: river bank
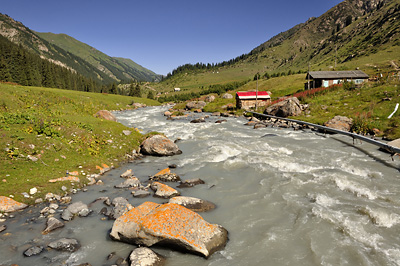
x: 276, y: 191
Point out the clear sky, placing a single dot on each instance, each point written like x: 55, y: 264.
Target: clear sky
x: 164, y: 34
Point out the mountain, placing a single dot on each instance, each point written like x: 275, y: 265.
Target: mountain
x: 361, y: 34
x: 73, y: 54
x: 116, y: 68
x: 17, y: 33
x: 348, y: 31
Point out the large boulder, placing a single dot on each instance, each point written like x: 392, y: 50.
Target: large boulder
x: 195, y: 105
x: 285, y: 108
x: 107, y: 115
x: 9, y: 205
x: 340, y: 122
x: 159, y: 145
x: 169, y: 224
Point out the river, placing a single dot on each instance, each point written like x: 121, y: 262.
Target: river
x: 286, y: 197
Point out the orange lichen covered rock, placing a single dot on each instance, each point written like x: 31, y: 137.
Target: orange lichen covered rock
x: 165, y: 175
x: 169, y: 224
x: 65, y: 178
x: 164, y: 191
x: 9, y: 205
x: 164, y: 172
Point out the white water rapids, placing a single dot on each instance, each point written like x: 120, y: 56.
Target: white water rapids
x: 286, y: 197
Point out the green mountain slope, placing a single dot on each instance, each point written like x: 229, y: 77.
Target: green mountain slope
x: 116, y: 68
x: 19, y: 34
x: 354, y: 34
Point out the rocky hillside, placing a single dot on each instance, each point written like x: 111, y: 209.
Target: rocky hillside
x: 351, y: 29
x: 101, y: 68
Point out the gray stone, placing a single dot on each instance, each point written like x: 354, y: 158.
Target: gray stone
x: 140, y: 193
x: 210, y: 98
x: 195, y: 105
x: 194, y: 204
x: 3, y: 228
x: 145, y: 257
x: 285, y: 108
x: 52, y: 224
x: 126, y: 132
x: 33, y: 251
x: 120, y: 207
x: 130, y: 182
x: 227, y: 96
x: 159, y: 145
x: 75, y: 209
x: 191, y: 183
x: 340, y: 123
x: 65, y: 244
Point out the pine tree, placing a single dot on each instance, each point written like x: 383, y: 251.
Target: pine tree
x: 150, y: 95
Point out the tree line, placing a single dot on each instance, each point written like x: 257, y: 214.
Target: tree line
x: 18, y: 65
x: 201, y: 66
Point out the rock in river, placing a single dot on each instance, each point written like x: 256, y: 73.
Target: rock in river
x: 159, y: 145
x: 77, y: 208
x: 65, y: 244
x: 194, y: 204
x: 52, y: 224
x: 128, y: 183
x: 169, y: 224
x: 164, y: 191
x: 33, y: 251
x: 145, y: 257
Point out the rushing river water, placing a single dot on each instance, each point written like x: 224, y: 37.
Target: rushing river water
x: 286, y: 197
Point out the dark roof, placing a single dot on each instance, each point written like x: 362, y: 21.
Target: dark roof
x: 352, y: 74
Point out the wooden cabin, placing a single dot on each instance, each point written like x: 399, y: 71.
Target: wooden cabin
x: 248, y: 99
x: 325, y: 79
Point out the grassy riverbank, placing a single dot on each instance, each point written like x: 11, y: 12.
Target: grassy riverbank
x: 45, y: 132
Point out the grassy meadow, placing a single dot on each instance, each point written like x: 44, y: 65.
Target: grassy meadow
x: 59, y: 129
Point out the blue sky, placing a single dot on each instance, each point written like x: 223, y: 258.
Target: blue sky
x: 164, y: 34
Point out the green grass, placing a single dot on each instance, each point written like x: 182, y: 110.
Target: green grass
x: 369, y: 107
x: 59, y: 128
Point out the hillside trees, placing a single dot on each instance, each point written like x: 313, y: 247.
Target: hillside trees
x: 134, y: 90
x: 25, y: 68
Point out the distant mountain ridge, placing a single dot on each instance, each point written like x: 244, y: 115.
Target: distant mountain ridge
x: 65, y: 51
x: 354, y: 34
x: 351, y: 29
x: 117, y: 68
